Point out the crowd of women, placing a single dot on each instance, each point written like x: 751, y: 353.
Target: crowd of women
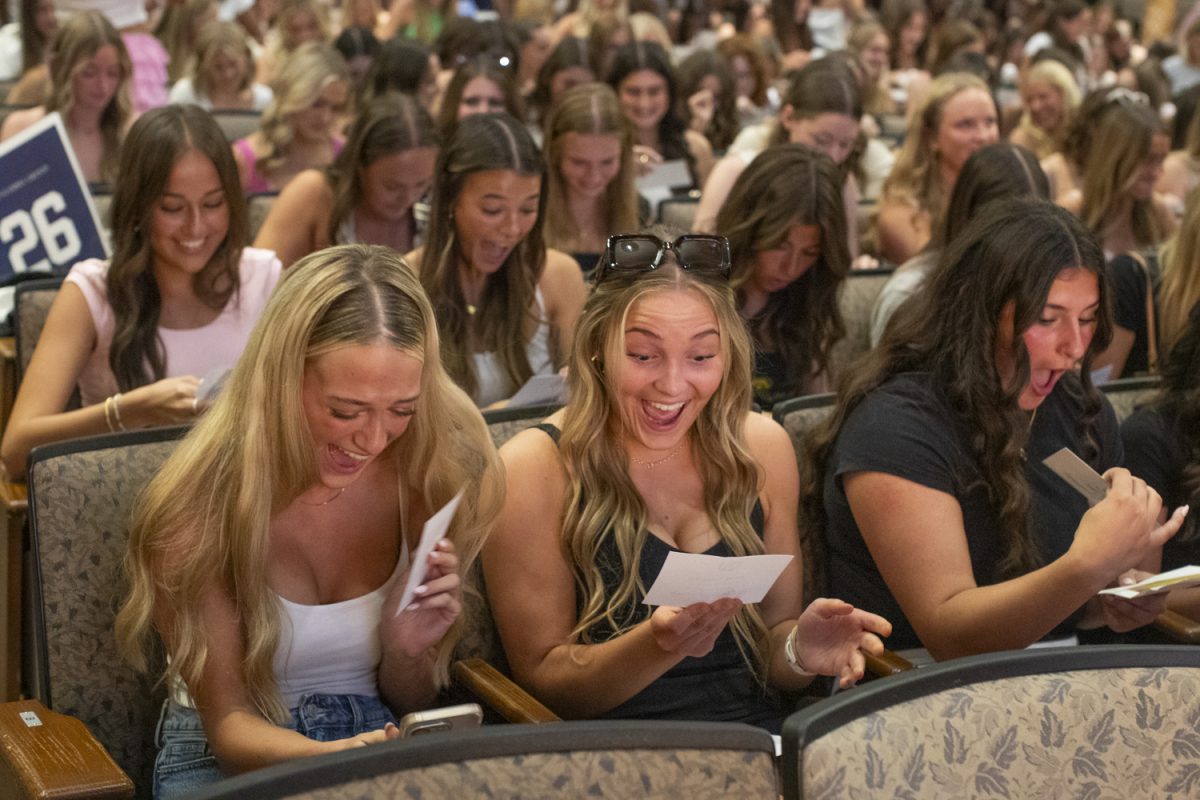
x: 461, y: 208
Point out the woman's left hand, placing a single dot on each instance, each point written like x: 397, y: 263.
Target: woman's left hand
x: 1123, y: 615
x: 830, y: 635
x: 434, y: 608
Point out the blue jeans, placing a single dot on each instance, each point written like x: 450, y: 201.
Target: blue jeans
x: 185, y: 762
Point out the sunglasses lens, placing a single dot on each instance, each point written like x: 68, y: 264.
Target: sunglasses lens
x: 637, y: 253
x: 703, y: 253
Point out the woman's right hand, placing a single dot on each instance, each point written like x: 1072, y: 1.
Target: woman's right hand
x: 646, y: 159
x: 1119, y: 531
x: 692, y: 631
x: 171, y: 401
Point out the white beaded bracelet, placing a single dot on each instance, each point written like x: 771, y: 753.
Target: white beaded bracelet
x: 789, y: 653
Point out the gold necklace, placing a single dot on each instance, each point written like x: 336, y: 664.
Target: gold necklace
x: 1028, y: 431
x: 327, y: 502
x: 652, y: 464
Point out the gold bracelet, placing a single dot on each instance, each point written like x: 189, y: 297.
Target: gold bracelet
x: 108, y: 414
x: 116, y: 398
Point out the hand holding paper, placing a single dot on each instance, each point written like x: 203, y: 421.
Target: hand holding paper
x: 1181, y: 578
x: 434, y: 531
x: 688, y: 578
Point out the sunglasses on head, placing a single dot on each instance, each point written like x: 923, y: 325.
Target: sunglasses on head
x: 638, y: 252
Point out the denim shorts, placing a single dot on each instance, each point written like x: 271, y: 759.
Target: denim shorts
x: 185, y: 762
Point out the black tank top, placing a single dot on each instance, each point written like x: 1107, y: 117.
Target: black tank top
x: 718, y: 687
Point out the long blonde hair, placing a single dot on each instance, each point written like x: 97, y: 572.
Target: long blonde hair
x: 255, y: 452
x: 1121, y: 143
x: 304, y: 75
x: 598, y: 465
x: 1054, y: 74
x: 591, y: 108
x: 77, y: 40
x: 914, y: 177
x: 1179, y: 262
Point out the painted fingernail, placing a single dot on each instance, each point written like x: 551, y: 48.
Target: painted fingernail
x: 421, y: 590
x: 413, y: 606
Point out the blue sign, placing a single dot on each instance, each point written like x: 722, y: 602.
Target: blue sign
x: 47, y: 219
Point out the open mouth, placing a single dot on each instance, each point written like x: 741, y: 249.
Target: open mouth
x: 662, y: 416
x: 1041, y: 382
x: 344, y: 461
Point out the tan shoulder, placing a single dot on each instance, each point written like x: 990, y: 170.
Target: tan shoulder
x: 531, y: 458
x: 20, y: 120
x: 766, y: 436
x: 413, y: 258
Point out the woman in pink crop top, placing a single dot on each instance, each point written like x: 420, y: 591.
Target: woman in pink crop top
x: 278, y: 597
x: 176, y: 301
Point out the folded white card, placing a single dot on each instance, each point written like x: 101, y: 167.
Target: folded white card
x: 433, y: 532
x: 688, y: 578
x: 1180, y: 578
x: 1083, y: 479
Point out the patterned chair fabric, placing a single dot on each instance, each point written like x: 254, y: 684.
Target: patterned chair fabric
x: 505, y: 423
x: 31, y: 306
x: 856, y: 298
x: 257, y: 208
x: 1127, y: 394
x: 81, y: 495
x: 1088, y: 722
x: 800, y: 416
x: 625, y: 760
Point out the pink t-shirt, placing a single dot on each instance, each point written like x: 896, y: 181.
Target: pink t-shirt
x: 148, y: 84
x: 196, y: 351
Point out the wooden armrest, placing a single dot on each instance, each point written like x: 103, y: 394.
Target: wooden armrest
x: 14, y: 496
x: 1177, y: 626
x: 498, y: 692
x: 57, y: 758
x: 886, y: 663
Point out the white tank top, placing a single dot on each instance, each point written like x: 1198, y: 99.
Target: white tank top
x: 490, y: 375
x: 332, y: 648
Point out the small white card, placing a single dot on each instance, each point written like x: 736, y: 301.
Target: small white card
x: 1181, y: 578
x: 688, y: 578
x: 1083, y: 479
x: 211, y: 385
x: 433, y: 532
x: 667, y: 175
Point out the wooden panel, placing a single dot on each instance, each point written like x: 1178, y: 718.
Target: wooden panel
x: 50, y: 755
x: 13, y: 508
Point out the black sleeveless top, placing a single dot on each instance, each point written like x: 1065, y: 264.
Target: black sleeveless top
x: 718, y: 687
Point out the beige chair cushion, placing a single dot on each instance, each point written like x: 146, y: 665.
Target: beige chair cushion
x: 1104, y: 733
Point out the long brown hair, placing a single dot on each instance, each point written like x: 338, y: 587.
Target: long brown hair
x: 786, y: 185
x: 77, y: 40
x: 1009, y: 255
x: 591, y: 108
x: 502, y: 323
x: 391, y: 123
x: 155, y: 142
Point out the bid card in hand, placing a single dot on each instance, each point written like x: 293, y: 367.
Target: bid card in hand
x: 688, y: 578
x: 434, y: 531
x: 1075, y: 471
